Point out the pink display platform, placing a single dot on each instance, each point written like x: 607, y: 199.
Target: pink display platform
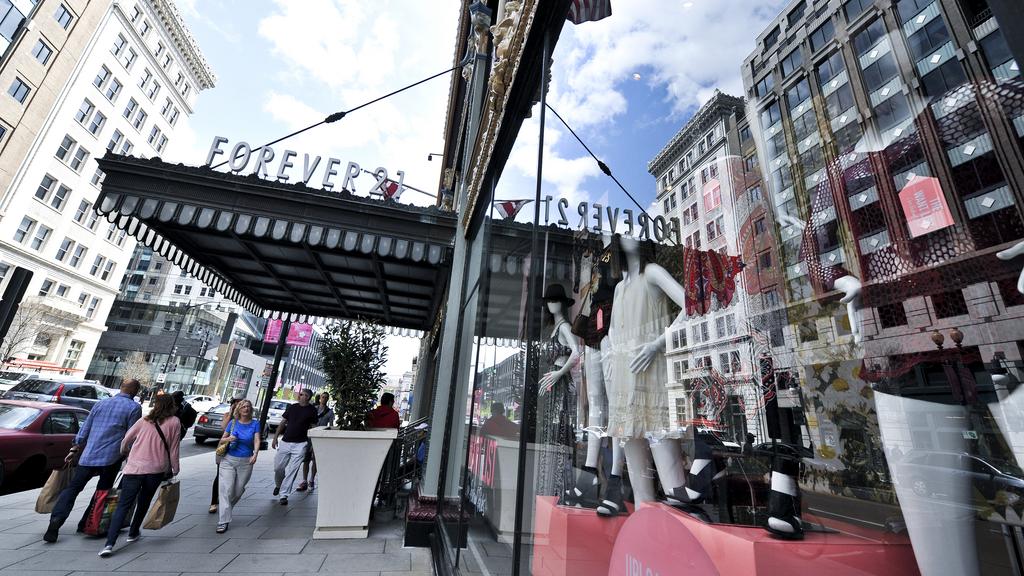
x: 572, y: 541
x: 658, y: 540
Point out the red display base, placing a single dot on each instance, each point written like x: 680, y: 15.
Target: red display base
x: 572, y: 541
x: 660, y: 540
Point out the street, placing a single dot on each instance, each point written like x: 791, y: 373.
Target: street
x: 188, y: 448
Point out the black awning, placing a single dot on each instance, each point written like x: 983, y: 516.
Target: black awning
x: 280, y: 249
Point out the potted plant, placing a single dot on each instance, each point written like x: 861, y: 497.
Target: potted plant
x: 348, y: 455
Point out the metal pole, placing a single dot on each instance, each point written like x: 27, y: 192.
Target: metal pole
x: 269, y: 392
x: 170, y: 353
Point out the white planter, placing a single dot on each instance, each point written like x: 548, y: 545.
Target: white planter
x: 348, y: 463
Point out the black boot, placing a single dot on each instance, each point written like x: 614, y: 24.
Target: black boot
x: 699, y: 476
x: 52, y: 530
x: 784, y: 500
x: 585, y: 493
x: 613, y: 504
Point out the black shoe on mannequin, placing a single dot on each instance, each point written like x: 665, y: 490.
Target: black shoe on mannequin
x: 698, y: 477
x: 784, y: 500
x: 613, y: 504
x: 585, y: 493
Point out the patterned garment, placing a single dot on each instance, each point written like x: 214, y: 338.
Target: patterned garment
x: 104, y: 429
x: 556, y: 422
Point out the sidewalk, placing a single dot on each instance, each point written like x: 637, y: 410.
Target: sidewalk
x: 265, y: 538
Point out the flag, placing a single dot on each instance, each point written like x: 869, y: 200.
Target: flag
x: 589, y: 10
x: 509, y: 208
x: 392, y: 190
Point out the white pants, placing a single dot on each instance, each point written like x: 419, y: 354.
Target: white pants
x: 286, y: 465
x: 234, y: 475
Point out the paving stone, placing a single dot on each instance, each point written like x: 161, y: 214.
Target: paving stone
x: 273, y: 546
x: 288, y: 532
x: 14, y: 541
x: 353, y: 546
x: 248, y: 563
x: 183, y: 562
x: 398, y: 561
x: 68, y: 559
x: 234, y: 531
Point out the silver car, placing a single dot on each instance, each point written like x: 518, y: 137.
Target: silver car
x: 81, y: 393
x: 11, y: 378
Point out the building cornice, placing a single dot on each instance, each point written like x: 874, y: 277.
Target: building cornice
x: 719, y: 106
x: 184, y: 42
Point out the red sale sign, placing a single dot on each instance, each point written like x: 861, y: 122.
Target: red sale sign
x: 924, y: 206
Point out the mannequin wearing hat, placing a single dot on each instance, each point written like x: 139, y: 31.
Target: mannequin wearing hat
x: 556, y: 414
x: 638, y: 398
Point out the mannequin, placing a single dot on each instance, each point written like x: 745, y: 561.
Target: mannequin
x: 556, y: 416
x: 638, y: 400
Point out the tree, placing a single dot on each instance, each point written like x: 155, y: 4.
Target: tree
x: 35, y: 319
x: 135, y: 366
x: 352, y: 356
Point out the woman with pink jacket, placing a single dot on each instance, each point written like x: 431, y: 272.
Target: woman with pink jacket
x: 152, y: 449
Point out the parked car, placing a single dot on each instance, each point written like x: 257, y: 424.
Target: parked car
x: 35, y: 437
x: 930, y: 473
x: 277, y: 408
x: 201, y: 403
x: 791, y: 450
x: 208, y: 424
x: 81, y: 393
x: 10, y: 378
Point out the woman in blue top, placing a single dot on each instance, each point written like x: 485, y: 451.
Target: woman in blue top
x: 242, y: 435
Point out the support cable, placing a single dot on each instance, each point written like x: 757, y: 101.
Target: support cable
x: 339, y: 115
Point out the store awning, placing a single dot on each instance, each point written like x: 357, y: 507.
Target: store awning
x: 286, y: 250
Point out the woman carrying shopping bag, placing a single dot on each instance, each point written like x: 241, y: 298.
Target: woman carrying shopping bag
x: 242, y: 438
x: 224, y: 421
x: 151, y: 445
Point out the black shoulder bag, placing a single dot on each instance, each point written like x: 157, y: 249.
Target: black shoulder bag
x: 170, y: 469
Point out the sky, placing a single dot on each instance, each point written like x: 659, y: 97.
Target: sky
x: 626, y: 84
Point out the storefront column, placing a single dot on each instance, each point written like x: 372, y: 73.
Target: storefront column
x: 454, y: 359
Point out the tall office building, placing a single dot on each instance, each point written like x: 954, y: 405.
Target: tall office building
x: 82, y: 78
x: 711, y: 187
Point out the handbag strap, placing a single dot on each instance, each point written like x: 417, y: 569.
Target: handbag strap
x: 167, y: 447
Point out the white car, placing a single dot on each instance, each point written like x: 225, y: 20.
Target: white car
x: 277, y: 408
x: 201, y: 403
x: 11, y: 378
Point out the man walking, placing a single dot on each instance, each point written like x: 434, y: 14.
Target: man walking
x: 291, y: 450
x: 99, y: 444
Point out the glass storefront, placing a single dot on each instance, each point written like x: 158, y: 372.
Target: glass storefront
x: 805, y: 354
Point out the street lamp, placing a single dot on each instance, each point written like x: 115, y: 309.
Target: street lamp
x: 113, y: 373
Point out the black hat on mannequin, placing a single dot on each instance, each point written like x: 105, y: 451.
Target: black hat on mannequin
x: 556, y: 293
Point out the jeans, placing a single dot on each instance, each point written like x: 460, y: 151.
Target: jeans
x: 81, y: 477
x: 286, y: 465
x: 138, y: 490
x: 233, y: 473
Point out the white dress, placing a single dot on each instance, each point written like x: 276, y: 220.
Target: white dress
x: 637, y: 403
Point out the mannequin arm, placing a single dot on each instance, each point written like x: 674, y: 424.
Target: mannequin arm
x: 568, y: 339
x: 1010, y: 254
x: 851, y: 286
x: 663, y: 280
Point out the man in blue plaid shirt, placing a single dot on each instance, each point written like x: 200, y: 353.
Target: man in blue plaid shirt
x: 98, y: 450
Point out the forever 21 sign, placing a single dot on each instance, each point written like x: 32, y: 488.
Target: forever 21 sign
x: 266, y: 160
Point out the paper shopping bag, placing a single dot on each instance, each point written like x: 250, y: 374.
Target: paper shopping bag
x: 166, y: 504
x: 55, y: 484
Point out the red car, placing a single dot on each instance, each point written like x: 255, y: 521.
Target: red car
x: 35, y: 437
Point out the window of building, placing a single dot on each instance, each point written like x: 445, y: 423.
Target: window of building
x: 162, y: 143
x: 126, y: 148
x: 120, y: 45
x: 892, y: 112
x: 765, y: 85
x: 764, y: 260
x: 185, y: 90
x: 128, y: 58
x: 113, y: 90
x: 64, y: 249
x: 84, y: 112
x: 63, y: 16
x: 24, y: 229
x: 73, y: 354
x: 796, y: 95
x: 136, y: 15
x: 945, y: 78
x: 108, y: 270
x: 796, y: 14
x: 101, y: 77
x: 67, y: 147
x: 60, y: 197
x: 140, y: 119
x: 928, y: 39
x: 949, y: 304
x: 98, y: 120
x: 750, y: 163
x: 42, y: 52
x: 830, y: 68
x: 45, y: 187
x: 772, y: 38
x: 115, y: 139
x: 754, y: 193
x: 78, y: 256
x: 759, y: 227
x: 892, y: 315
x: 81, y: 155
x: 167, y: 62
x: 145, y: 78
x: 19, y: 90
x: 154, y: 134
x: 792, y: 62
x: 822, y: 35
x: 97, y: 265
x: 90, y: 312
x: 40, y: 238
x: 854, y: 8
x: 807, y: 331
x: 145, y: 28
x: 46, y: 287
x: 770, y: 115
x: 82, y: 212
x: 97, y: 177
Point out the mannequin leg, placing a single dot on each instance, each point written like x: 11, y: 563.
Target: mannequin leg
x: 638, y: 458
x: 587, y: 489
x: 668, y: 459
x: 613, y: 503
x: 698, y: 479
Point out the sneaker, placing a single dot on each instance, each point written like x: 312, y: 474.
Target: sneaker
x: 133, y: 538
x: 107, y: 551
x: 302, y: 487
x: 213, y: 508
x: 277, y: 490
x: 284, y: 501
x: 51, y: 532
x: 222, y: 528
